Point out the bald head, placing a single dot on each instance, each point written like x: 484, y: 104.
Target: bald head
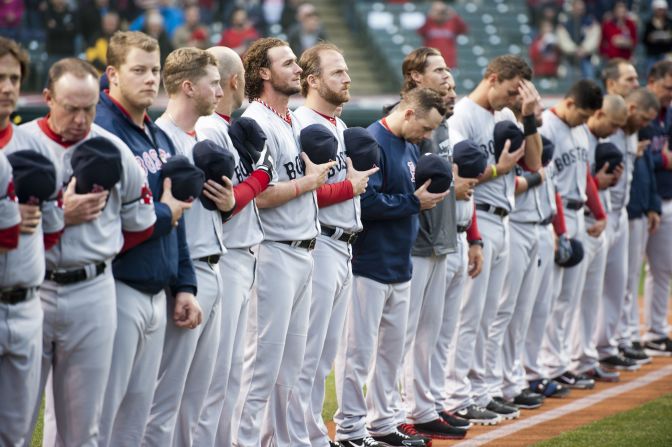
x: 229, y: 62
x: 232, y: 75
x: 614, y: 107
x: 612, y: 116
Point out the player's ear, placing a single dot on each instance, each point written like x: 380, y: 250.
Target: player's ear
x: 265, y: 73
x: 416, y: 76
x: 233, y: 82
x: 312, y: 81
x: 111, y: 73
x: 187, y: 88
x: 409, y: 114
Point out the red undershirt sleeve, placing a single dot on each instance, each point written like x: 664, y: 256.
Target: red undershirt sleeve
x: 559, y: 219
x: 51, y: 239
x: 134, y: 238
x: 472, y: 232
x: 594, y: 203
x: 9, y: 237
x: 251, y: 187
x: 332, y: 193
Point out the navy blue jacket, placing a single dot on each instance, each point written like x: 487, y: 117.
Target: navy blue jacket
x: 163, y: 260
x: 660, y: 132
x: 390, y: 212
x: 643, y: 194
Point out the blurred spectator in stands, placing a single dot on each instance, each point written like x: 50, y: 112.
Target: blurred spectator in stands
x: 273, y: 11
x: 579, y: 37
x: 11, y: 15
x: 97, y: 53
x: 192, y: 33
x: 308, y: 31
x: 440, y: 30
x: 62, y: 26
x: 536, y: 9
x: 288, y: 17
x: 657, y: 37
x: 91, y: 12
x: 154, y: 26
x: 255, y: 14
x: 172, y: 16
x: 545, y: 52
x: 619, y: 34
x: 240, y: 34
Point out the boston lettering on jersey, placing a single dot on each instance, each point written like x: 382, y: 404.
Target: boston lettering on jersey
x: 573, y: 156
x: 151, y: 160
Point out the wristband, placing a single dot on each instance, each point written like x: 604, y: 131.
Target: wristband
x: 478, y: 242
x: 533, y: 179
x: 297, y: 190
x: 529, y: 125
x: 494, y: 170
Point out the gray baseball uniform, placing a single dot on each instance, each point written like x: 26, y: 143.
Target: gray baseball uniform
x: 188, y: 361
x: 241, y: 234
x: 279, y: 313
x: 80, y: 317
x: 482, y: 293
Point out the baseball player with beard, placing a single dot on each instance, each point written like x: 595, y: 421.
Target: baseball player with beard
x: 26, y: 230
x: 325, y: 85
x: 600, y: 125
x: 79, y: 287
x: 570, y: 175
x: 504, y: 81
x: 241, y: 234
x: 191, y: 79
x: 279, y: 313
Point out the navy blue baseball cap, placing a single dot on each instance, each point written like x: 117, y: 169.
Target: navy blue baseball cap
x: 436, y: 168
x: 248, y: 138
x: 34, y: 176
x: 187, y: 180
x: 362, y: 148
x: 548, y: 148
x: 577, y: 254
x: 214, y: 161
x: 507, y: 130
x: 319, y: 143
x: 96, y: 164
x: 470, y: 159
x: 607, y: 152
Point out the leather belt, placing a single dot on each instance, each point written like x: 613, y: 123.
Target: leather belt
x: 496, y: 210
x: 16, y: 295
x: 73, y: 276
x: 462, y: 228
x: 212, y: 259
x: 346, y: 237
x: 546, y: 221
x: 308, y: 244
x: 574, y: 205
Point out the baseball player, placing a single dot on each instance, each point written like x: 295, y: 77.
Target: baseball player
x: 325, y: 84
x: 134, y: 76
x: 600, y: 125
x: 376, y: 317
x: 26, y: 230
x: 642, y: 107
x: 657, y: 284
x: 503, y: 81
x: 241, y: 234
x: 437, y: 240
x: 570, y: 175
x: 278, y: 315
x: 78, y: 286
x: 191, y: 79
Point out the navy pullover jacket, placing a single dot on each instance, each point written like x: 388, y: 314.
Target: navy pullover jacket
x: 660, y: 132
x: 643, y: 194
x: 390, y: 211
x: 163, y: 260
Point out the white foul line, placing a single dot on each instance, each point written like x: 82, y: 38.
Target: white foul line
x: 572, y: 407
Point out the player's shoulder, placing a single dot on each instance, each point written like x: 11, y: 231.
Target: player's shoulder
x: 505, y: 114
x: 127, y: 155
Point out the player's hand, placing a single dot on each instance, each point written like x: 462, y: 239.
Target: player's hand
x: 654, y: 221
x: 464, y: 187
x: 507, y: 160
x: 641, y: 147
x: 315, y: 175
x: 597, y: 228
x: 222, y: 195
x: 177, y: 207
x: 428, y: 199
x: 187, y: 313
x: 604, y: 179
x: 529, y: 97
x: 475, y: 264
x: 30, y: 218
x: 563, y: 249
x: 80, y: 208
x: 359, y: 179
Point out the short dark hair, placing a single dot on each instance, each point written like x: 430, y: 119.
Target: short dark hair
x: 612, y: 69
x: 507, y: 67
x: 255, y: 59
x: 643, y: 98
x: 416, y: 60
x: 586, y: 94
x: 660, y: 70
x: 11, y: 47
x: 423, y: 100
x: 77, y: 67
x: 186, y: 64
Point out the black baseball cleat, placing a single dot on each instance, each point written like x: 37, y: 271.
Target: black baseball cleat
x: 398, y: 439
x: 454, y: 420
x: 528, y: 400
x: 661, y: 347
x: 638, y: 355
x: 602, y: 375
x: 579, y: 382
x: 439, y: 429
x: 366, y: 441
x: 479, y: 415
x: 334, y: 444
x: 503, y: 410
x: 410, y: 431
x: 618, y: 362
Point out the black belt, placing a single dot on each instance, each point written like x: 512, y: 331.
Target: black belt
x: 546, y: 221
x: 73, y: 276
x: 14, y: 296
x: 308, y: 244
x: 574, y: 205
x: 496, y: 210
x: 349, y: 238
x: 462, y: 228
x: 212, y: 259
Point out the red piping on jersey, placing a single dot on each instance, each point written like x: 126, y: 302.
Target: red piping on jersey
x: 559, y: 225
x: 472, y: 232
x: 6, y: 135
x: 331, y: 119
x: 51, y: 239
x: 145, y: 118
x: 285, y: 117
x: 43, y: 123
x: 333, y: 193
x: 383, y: 122
x: 594, y: 203
x: 9, y: 237
x: 226, y: 118
x: 133, y: 238
x: 245, y: 191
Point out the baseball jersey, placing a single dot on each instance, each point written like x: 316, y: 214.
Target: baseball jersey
x: 24, y: 267
x: 605, y: 194
x: 347, y: 214
x: 473, y: 122
x: 464, y: 210
x: 204, y: 227
x: 9, y: 207
x: 620, y: 192
x: 129, y: 205
x: 570, y: 158
x: 297, y: 219
x: 243, y: 229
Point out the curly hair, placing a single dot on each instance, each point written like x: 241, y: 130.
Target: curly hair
x: 255, y: 59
